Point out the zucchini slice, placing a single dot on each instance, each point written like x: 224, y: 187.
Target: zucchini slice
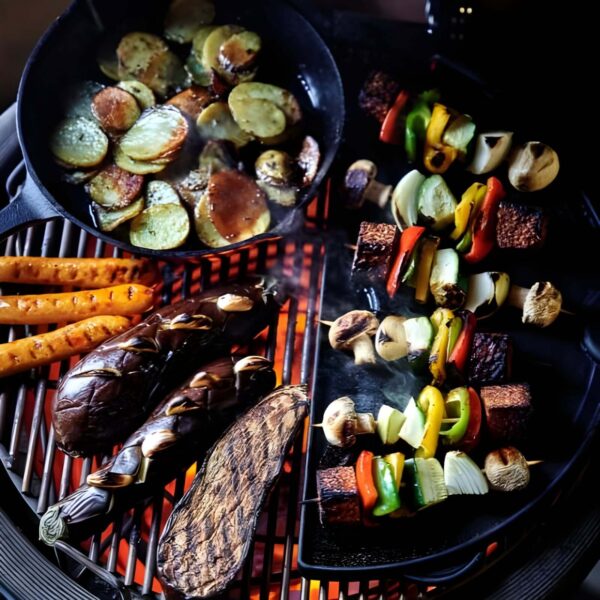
x: 115, y: 109
x: 140, y: 91
x: 79, y: 142
x: 115, y: 188
x: 160, y: 227
x: 215, y: 122
x: 419, y: 338
x: 436, y: 203
x: 185, y: 17
x: 413, y: 428
x: 161, y: 192
x: 444, y: 280
x: 109, y: 220
x: 427, y: 478
x: 159, y: 131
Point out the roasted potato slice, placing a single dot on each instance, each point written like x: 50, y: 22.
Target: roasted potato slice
x: 308, y: 160
x: 79, y: 177
x: 192, y: 186
x: 138, y: 54
x: 257, y: 116
x: 275, y: 167
x: 215, y: 156
x: 160, y: 227
x: 140, y: 91
x: 239, y: 53
x: 282, y: 195
x: 78, y: 100
x: 138, y: 167
x: 79, y: 142
x: 198, y: 43
x: 109, y: 220
x: 115, y: 109
x: 198, y: 74
x: 212, y: 46
x: 115, y: 188
x: 282, y: 99
x: 159, y: 131
x: 232, y: 209
x: 185, y: 17
x: 216, y: 123
x: 192, y: 101
x: 170, y: 75
x: 161, y: 192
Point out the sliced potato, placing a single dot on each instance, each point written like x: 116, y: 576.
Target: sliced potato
x: 258, y: 116
x: 198, y: 43
x: 282, y: 195
x: 215, y: 156
x: 212, y: 46
x: 159, y: 131
x: 79, y: 142
x: 283, y: 99
x: 160, y: 227
x: 216, y: 123
x: 107, y: 59
x: 232, y: 209
x: 115, y: 109
x: 185, y: 17
x: 79, y: 177
x: 109, y: 220
x: 138, y: 167
x: 275, y: 167
x: 140, y: 91
x: 115, y: 188
x: 192, y: 101
x: 198, y: 74
x: 78, y: 99
x: 240, y: 52
x: 161, y: 192
x: 192, y: 186
x: 138, y: 54
x: 170, y: 74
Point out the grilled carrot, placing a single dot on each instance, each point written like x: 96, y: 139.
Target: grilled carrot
x: 39, y: 309
x: 43, y: 349
x: 79, y: 272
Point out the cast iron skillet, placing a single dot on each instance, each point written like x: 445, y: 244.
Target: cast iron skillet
x: 294, y: 57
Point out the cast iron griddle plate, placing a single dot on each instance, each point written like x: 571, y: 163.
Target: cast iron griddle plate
x: 563, y: 378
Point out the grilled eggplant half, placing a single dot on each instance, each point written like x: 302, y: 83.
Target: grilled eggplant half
x: 184, y: 424
x: 113, y: 389
x: 208, y: 535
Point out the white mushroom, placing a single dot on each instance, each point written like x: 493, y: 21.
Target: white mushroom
x: 341, y: 423
x: 507, y: 470
x: 390, y: 339
x: 353, y: 331
x: 360, y: 185
x: 533, y: 166
x: 490, y: 150
x: 541, y: 304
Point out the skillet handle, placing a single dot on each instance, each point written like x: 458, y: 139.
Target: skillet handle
x: 27, y: 208
x: 447, y: 576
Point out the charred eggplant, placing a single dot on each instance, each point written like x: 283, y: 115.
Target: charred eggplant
x: 113, y: 389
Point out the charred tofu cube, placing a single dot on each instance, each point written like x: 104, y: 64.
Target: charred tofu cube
x: 378, y: 94
x: 490, y: 360
x: 520, y: 227
x: 507, y: 411
x: 375, y: 248
x: 338, y: 496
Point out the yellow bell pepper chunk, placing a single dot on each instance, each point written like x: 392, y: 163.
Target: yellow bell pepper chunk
x: 396, y: 461
x: 469, y: 204
x: 440, y: 319
x: 432, y: 401
x: 438, y: 156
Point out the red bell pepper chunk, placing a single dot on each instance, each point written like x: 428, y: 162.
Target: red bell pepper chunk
x: 408, y: 242
x: 392, y: 128
x: 460, y: 353
x: 484, y: 226
x: 473, y: 433
x: 364, y: 481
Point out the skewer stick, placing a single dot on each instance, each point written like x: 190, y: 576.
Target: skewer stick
x: 328, y: 323
x: 351, y: 247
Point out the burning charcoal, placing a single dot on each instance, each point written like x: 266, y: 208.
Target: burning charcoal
x: 491, y: 358
x: 374, y: 251
x: 507, y: 410
x: 378, y: 94
x: 520, y: 227
x: 338, y: 496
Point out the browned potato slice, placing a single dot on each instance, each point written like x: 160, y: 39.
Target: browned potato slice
x: 160, y: 227
x: 79, y: 99
x: 199, y: 40
x: 161, y: 192
x: 191, y: 101
x: 115, y: 109
x: 170, y: 74
x: 109, y: 220
x: 79, y: 143
x: 282, y: 99
x: 192, y: 186
x: 275, y: 167
x: 240, y: 52
x: 115, y: 188
x: 185, y: 17
x: 257, y: 116
x: 282, y: 195
x: 216, y: 123
x: 138, y: 167
x: 140, y: 91
x: 308, y: 159
x: 215, y: 156
x: 137, y: 53
x: 159, y: 131
x: 79, y: 177
x: 213, y: 43
x: 233, y: 209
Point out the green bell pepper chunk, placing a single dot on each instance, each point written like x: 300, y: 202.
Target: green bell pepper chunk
x: 388, y: 499
x: 457, y: 406
x: 416, y: 126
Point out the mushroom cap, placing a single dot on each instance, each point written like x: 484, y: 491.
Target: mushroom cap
x: 358, y: 177
x: 390, y: 341
x: 507, y: 470
x: 533, y: 166
x: 339, y: 422
x: 350, y: 326
x: 542, y: 304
